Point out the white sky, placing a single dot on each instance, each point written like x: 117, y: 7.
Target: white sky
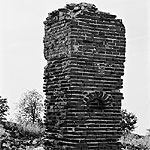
x: 21, y: 50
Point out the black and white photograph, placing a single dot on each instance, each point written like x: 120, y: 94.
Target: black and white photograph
x: 75, y: 75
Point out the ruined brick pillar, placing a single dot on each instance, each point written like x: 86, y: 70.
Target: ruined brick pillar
x: 85, y: 53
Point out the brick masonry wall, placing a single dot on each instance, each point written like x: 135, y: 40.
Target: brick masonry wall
x: 85, y: 53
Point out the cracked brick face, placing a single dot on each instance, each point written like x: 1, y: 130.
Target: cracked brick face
x: 85, y: 53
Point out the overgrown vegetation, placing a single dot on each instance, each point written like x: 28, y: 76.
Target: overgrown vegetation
x: 129, y: 121
x: 132, y: 141
x: 15, y: 136
x: 129, y: 140
x: 29, y: 129
x: 25, y: 131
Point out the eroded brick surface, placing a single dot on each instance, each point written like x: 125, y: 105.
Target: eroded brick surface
x: 85, y: 53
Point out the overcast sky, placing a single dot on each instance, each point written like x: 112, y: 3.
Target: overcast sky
x: 21, y: 50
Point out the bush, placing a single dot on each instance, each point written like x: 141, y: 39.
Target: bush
x: 133, y: 141
x: 15, y: 136
x: 25, y: 131
x: 33, y: 129
x: 128, y: 121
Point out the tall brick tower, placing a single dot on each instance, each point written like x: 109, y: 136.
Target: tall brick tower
x: 85, y: 53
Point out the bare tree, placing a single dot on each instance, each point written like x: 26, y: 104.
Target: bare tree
x: 30, y: 107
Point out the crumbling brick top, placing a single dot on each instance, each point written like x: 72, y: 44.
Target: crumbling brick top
x: 71, y: 11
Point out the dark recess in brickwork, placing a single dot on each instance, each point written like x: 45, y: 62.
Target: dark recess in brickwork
x: 85, y: 53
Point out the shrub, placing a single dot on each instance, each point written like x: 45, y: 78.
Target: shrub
x: 33, y: 129
x: 133, y: 141
x: 128, y: 121
x: 24, y: 130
